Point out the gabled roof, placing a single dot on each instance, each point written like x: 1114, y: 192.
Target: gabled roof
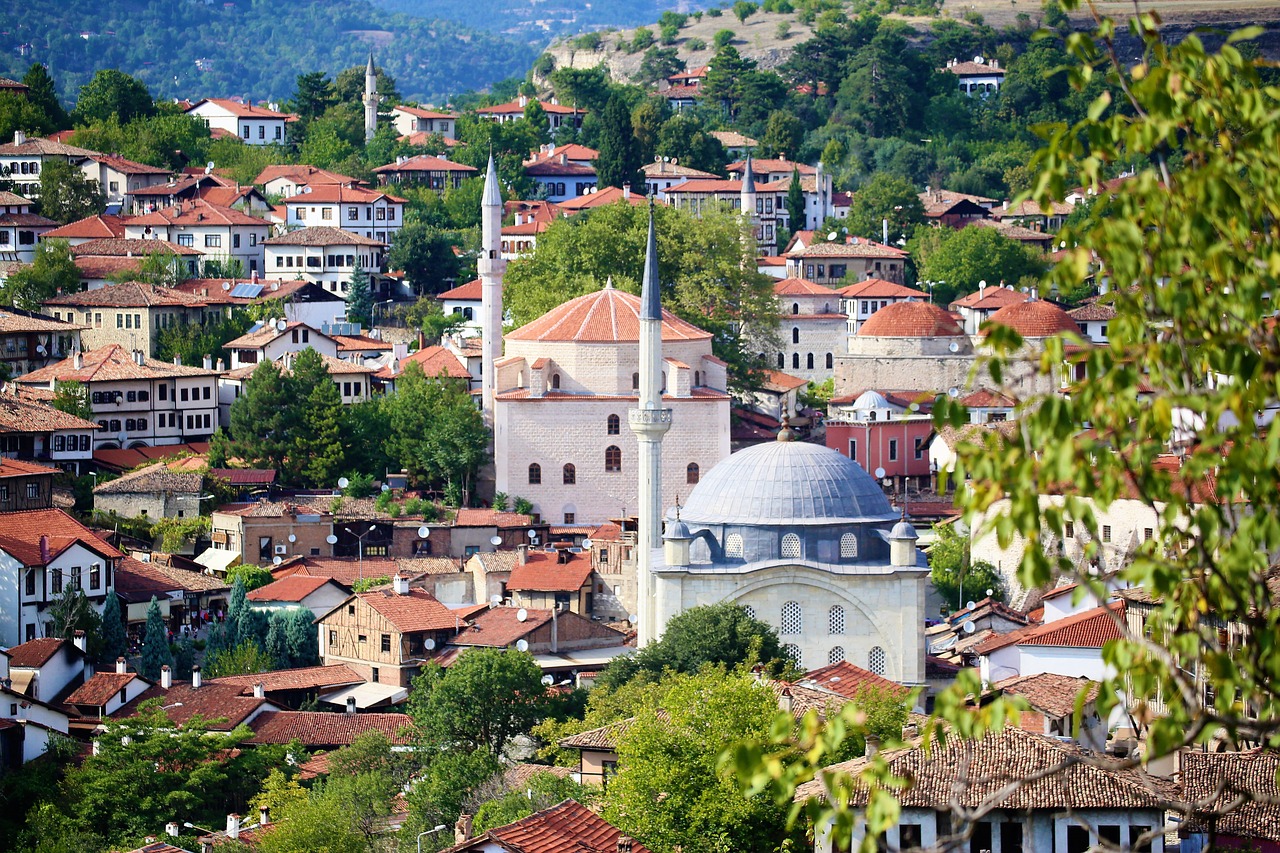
x: 107, y: 364
x: 210, y: 700
x: 123, y: 247
x: 268, y: 332
x: 733, y: 139
x: 974, y: 69
x: 878, y: 288
x: 1217, y: 781
x: 848, y: 680
x: 294, y: 588
x: 301, y: 678
x: 410, y: 612
x: 800, y: 287
x: 674, y: 170
x: 243, y: 110
x: 100, y: 688
x: 1090, y: 629
x: 1049, y: 693
x: 434, y: 361
x: 554, y: 168
x: 104, y: 225
x: 543, y: 572
x: 44, y: 148
x: 21, y: 532
x: 323, y: 728
x: 990, y: 298
x: 322, y: 235
x: 127, y: 167
x: 302, y: 174
x: 499, y: 627
x: 128, y: 294
x: 608, y: 315
x: 779, y: 382
x: 517, y: 107
x: 153, y: 479
x: 426, y: 163
x: 137, y: 581
x: 600, y: 197
x: 603, y: 738
x: 34, y: 654
x: 567, y: 826
x: 855, y: 247
x: 772, y: 166
x: 422, y: 113
x: 471, y: 290
x: 490, y: 518
x: 197, y: 211
x: 340, y: 194
x: 21, y: 414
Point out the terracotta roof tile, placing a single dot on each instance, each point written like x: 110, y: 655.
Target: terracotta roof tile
x: 416, y: 610
x: 499, y: 627
x: 1220, y: 780
x: 340, y: 194
x: 421, y: 113
x: 302, y: 174
x: 243, y: 110
x: 197, y: 212
x: 878, y: 288
x: 1093, y: 311
x: 322, y: 728
x: 426, y: 163
x: 490, y: 517
x: 512, y: 107
x: 99, y: 689
x: 44, y: 147
x: 321, y: 235
x: 434, y: 361
x: 472, y: 290
x: 605, y: 737
x: 990, y: 298
x: 153, y: 478
x: 89, y: 228
x: 1033, y: 319
x: 765, y: 166
x: 302, y: 678
x: 603, y: 316
x: 543, y: 573
x: 36, y: 653
x: 553, y: 168
x: 107, y: 364
x: 129, y: 294
x: 137, y: 581
x: 1088, y: 630
x: 975, y: 69
x: 293, y: 588
x: 1049, y: 693
x: 800, y: 287
x: 222, y: 702
x: 567, y: 826
x: 911, y: 320
x: 21, y: 532
x: 859, y: 249
x: 121, y: 247
x: 848, y: 680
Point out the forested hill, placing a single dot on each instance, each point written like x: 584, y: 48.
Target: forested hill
x: 538, y: 21
x: 212, y: 48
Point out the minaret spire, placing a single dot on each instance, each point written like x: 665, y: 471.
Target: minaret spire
x: 747, y: 197
x: 370, y: 100
x: 650, y: 422
x: 491, y: 267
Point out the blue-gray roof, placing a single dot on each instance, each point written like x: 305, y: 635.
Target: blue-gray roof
x: 786, y: 483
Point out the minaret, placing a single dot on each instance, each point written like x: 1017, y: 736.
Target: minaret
x: 650, y: 422
x: 370, y: 100
x: 747, y: 197
x: 491, y: 267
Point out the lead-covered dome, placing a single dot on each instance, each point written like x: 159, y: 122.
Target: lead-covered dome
x: 786, y: 483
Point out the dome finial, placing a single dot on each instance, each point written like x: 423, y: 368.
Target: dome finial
x: 608, y: 283
x: 786, y: 433
x: 677, y: 506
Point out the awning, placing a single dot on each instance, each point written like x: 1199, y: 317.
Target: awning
x: 582, y: 658
x: 218, y: 560
x: 21, y: 679
x: 368, y: 695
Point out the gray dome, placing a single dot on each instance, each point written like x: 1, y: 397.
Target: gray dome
x: 677, y: 529
x: 786, y: 483
x: 903, y: 530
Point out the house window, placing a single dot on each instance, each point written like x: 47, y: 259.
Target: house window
x: 535, y: 474
x: 835, y: 656
x: 95, y: 576
x: 386, y: 643
x: 570, y: 474
x: 361, y: 638
x: 809, y: 361
x: 55, y: 580
x: 333, y: 639
x: 245, y: 130
x: 795, y: 335
x: 893, y: 450
x: 791, y: 546
x: 613, y: 425
x: 1011, y: 837
x: 569, y: 518
x: 835, y: 620
x: 876, y: 660
x: 635, y: 381
x: 373, y: 672
x: 33, y: 490
x: 1106, y: 533
x: 1146, y: 534
x: 351, y: 610
x: 691, y: 473
x: 792, y: 618
x: 31, y: 582
x: 612, y: 458
x: 555, y: 380
x: 733, y: 545
x: 848, y: 546
x: 1070, y: 530
x: 186, y: 239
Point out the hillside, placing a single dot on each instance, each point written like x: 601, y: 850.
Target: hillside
x: 536, y: 21
x: 191, y: 48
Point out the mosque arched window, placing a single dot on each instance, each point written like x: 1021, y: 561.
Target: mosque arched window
x: 830, y: 361
x: 570, y: 474
x: 749, y: 610
x: 635, y: 381
x: 782, y: 360
x: 795, y: 335
x: 612, y: 458
x: 792, y: 651
x: 613, y: 425
x: 836, y: 654
x: 876, y: 660
x: 795, y: 361
x: 810, y: 361
x: 535, y: 474
x: 733, y: 545
x: 795, y: 308
x: 835, y: 620
x: 791, y: 546
x: 792, y: 618
x: 848, y: 546
x: 555, y: 380
x: 691, y: 473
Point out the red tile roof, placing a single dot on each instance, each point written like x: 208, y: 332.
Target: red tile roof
x: 21, y: 532
x: 107, y: 364
x: 137, y: 581
x: 121, y: 247
x: 1236, y: 794
x: 321, y: 235
x: 302, y: 174
x: 608, y: 315
x: 100, y: 688
x: 18, y: 468
x: 878, y: 288
x: 554, y: 168
x: 302, y: 678
x: 986, y: 399
x: 293, y: 588
x: 990, y: 298
x: 426, y: 163
x: 434, y: 361
x: 1033, y: 319
x: 472, y: 290
x: 567, y: 826
x: 197, y: 212
x: 911, y: 320
x: 779, y: 382
x: 1049, y: 693
x: 129, y: 294
x: 36, y: 653
x: 512, y: 107
x: 490, y: 518
x: 853, y: 248
x: 210, y: 701
x: 340, y: 194
x: 767, y: 166
x: 416, y: 610
x: 499, y: 627
x: 544, y: 573
x: 848, y: 680
x: 1088, y: 630
x: 800, y: 287
x: 322, y: 728
x: 600, y: 198
x: 243, y: 110
x: 421, y: 113
x: 90, y: 228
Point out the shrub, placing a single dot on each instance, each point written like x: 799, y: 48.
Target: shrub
x: 722, y: 38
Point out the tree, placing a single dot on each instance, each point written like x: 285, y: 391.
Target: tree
x: 250, y: 576
x: 437, y: 433
x: 42, y: 93
x: 875, y: 96
x: 72, y: 397
x: 155, y: 645
x: 317, y: 436
x: 359, y: 297
x: 262, y: 419
x: 427, y: 315
x: 744, y: 9
x: 885, y: 197
x: 795, y: 204
x: 426, y: 256
x: 658, y: 64
x: 113, y: 93
x: 114, y: 642
x: 312, y: 96
x: 66, y: 194
x: 619, y: 160
x: 782, y: 135
x: 669, y: 789
x: 683, y: 138
x: 711, y: 634
x: 301, y: 641
x: 966, y: 257
x: 955, y: 578
x: 647, y: 120
x: 245, y: 658
x: 542, y: 791
x: 71, y: 612
x: 487, y: 697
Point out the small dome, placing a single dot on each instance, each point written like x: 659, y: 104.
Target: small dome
x: 870, y: 400
x: 1033, y: 319
x: 677, y: 529
x: 786, y: 483
x: 903, y: 530
x: 911, y: 320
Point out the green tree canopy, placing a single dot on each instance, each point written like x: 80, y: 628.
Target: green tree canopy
x: 971, y: 255
x: 114, y: 642
x: 957, y: 579
x: 619, y: 161
x: 426, y: 255
x: 885, y: 197
x: 66, y: 194
x: 73, y: 398
x: 155, y: 645
x: 437, y: 433
x: 113, y: 93
x: 42, y: 93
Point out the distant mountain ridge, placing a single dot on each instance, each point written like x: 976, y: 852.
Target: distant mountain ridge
x: 254, y: 48
x: 538, y: 21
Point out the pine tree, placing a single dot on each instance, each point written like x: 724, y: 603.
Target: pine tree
x: 236, y: 609
x: 114, y: 642
x: 318, y: 438
x: 619, y: 160
x: 262, y: 419
x: 795, y: 202
x: 301, y: 636
x: 155, y: 649
x: 359, y: 297
x: 277, y: 646
x: 42, y: 93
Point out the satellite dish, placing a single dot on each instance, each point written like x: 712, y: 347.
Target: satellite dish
x: 533, y: 534
x: 522, y: 645
x: 208, y: 167
x: 385, y: 487
x: 979, y: 60
x: 587, y: 543
x: 990, y: 592
x: 293, y: 538
x: 915, y: 407
x: 495, y: 540
x: 633, y: 619
x: 982, y: 283
x: 953, y: 392
x: 226, y: 285
x: 657, y: 158
x: 675, y: 161
x: 546, y: 679
x: 40, y: 348
x: 282, y: 325
x: 428, y: 644
x: 275, y: 561
x: 495, y: 600
x: 969, y: 627
x: 522, y: 615
x: 832, y: 235
x: 880, y: 473
x: 970, y: 605
x: 343, y: 482
x: 954, y: 347
x: 123, y: 436
x: 331, y: 539
x: 424, y: 532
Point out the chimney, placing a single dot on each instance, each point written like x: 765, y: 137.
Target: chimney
x: 982, y: 289
x: 264, y: 816
x: 121, y: 669
x: 626, y: 191
x: 80, y: 642
x: 196, y: 678
x: 259, y: 692
x: 44, y: 548
x: 522, y: 554
x: 166, y: 677
x: 177, y: 361
x: 873, y: 745
x: 19, y: 137
x: 78, y: 360
x: 785, y: 701
x: 555, y: 630
x: 233, y: 826
x: 219, y: 366
x: 462, y: 829
x: 172, y: 829
x: 351, y: 704
x: 400, y: 584
x: 624, y: 844
x: 208, y: 362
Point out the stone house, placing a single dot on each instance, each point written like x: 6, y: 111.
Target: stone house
x: 132, y: 314
x: 29, y: 341
x: 811, y: 329
x: 835, y: 264
x: 119, y: 178
x: 153, y: 492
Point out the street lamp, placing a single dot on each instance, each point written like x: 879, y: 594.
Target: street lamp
x: 373, y: 528
x: 428, y: 832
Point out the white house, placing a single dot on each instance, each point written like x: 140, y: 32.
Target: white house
x: 221, y: 233
x: 411, y: 120
x: 325, y: 255
x: 372, y: 214
x: 20, y: 229
x: 119, y: 177
x: 253, y: 125
x: 269, y: 341
x: 32, y: 429
x: 319, y: 595
x: 1068, y: 645
x: 979, y: 77
x: 859, y: 301
x: 42, y: 553
x: 22, y: 160
x: 288, y: 179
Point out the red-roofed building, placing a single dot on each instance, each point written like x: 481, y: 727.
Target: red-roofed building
x: 252, y: 125
x: 223, y: 706
x: 848, y: 680
x: 438, y: 173
x: 20, y: 228
x: 812, y: 330
x: 41, y: 553
x: 434, y: 362
x: 543, y: 630
x: 547, y: 579
x: 372, y: 214
x: 324, y: 730
x: 861, y: 300
x: 222, y: 233
x: 855, y: 259
x: 317, y: 594
x: 1069, y: 646
x: 99, y: 227
x: 978, y: 307
x: 119, y: 178
x: 292, y: 688
x: 980, y: 77
x: 411, y: 120
x: 563, y: 827
x: 557, y: 114
x: 105, y: 693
